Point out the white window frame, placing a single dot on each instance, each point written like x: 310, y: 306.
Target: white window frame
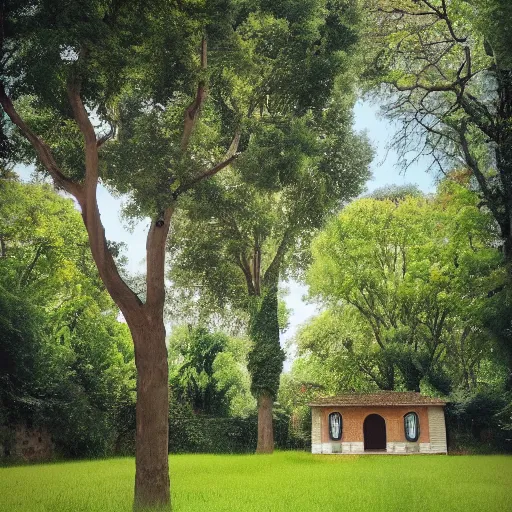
x: 337, y: 427
x: 412, y: 425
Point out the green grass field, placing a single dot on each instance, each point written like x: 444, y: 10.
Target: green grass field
x: 283, y: 482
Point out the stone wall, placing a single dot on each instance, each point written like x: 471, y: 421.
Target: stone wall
x: 27, y: 444
x: 437, y: 426
x: 316, y: 430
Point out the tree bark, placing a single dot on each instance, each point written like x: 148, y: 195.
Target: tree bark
x: 503, y: 154
x: 265, y: 424
x: 152, y: 484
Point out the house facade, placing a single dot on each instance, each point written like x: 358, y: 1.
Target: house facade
x: 384, y: 422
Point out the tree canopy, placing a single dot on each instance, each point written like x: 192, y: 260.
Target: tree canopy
x: 408, y: 284
x: 444, y: 69
x: 153, y: 98
x: 253, y: 225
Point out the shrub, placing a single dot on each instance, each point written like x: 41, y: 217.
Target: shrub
x: 475, y: 422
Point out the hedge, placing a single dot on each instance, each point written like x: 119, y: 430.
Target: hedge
x: 203, y: 434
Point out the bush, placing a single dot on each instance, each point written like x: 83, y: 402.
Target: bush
x: 300, y: 428
x: 189, y: 433
x: 203, y: 434
x: 475, y: 423
x: 195, y: 433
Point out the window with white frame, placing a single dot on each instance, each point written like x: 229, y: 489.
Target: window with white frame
x: 411, y: 426
x: 335, y: 426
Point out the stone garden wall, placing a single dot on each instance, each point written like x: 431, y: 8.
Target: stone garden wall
x: 26, y: 444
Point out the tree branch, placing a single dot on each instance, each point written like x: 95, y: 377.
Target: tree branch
x: 272, y: 272
x: 107, y: 136
x: 444, y: 16
x: 122, y: 294
x: 233, y: 148
x: 256, y: 265
x: 204, y: 175
x: 91, y: 147
x: 192, y: 111
x: 475, y: 168
x: 155, y: 261
x: 244, y: 265
x: 43, y: 151
x: 25, y: 276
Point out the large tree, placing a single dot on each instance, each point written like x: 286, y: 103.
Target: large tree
x: 444, y: 68
x: 154, y: 98
x: 251, y: 232
x: 409, y: 283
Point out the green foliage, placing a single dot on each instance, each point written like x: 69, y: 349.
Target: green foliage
x: 189, y: 433
x: 266, y: 356
x: 264, y: 211
x: 498, y: 321
x: 326, y: 364
x: 182, y: 88
x: 45, y: 38
x: 252, y: 224
x: 207, y: 372
x: 396, y: 193
x: 90, y: 387
x: 139, y: 69
x: 19, y: 336
x: 443, y: 70
x: 491, y: 17
x: 477, y: 422
x: 409, y: 285
x: 66, y: 362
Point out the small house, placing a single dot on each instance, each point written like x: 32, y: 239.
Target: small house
x: 383, y: 422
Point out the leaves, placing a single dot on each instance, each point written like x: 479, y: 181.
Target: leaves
x: 442, y: 70
x: 67, y: 361
x: 415, y: 273
x: 207, y: 371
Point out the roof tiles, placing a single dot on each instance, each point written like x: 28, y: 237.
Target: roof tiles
x: 379, y: 398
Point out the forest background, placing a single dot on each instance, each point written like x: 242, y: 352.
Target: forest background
x: 68, y: 363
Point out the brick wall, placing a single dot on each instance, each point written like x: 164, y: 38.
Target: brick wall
x: 352, y: 440
x: 353, y: 419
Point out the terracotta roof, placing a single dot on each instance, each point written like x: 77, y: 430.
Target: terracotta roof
x: 379, y: 398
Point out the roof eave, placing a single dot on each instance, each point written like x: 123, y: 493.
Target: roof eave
x: 377, y: 405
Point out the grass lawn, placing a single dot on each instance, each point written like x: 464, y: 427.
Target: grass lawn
x: 283, y: 482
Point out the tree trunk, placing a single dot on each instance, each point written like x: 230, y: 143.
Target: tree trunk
x: 503, y: 154
x: 152, y: 484
x: 265, y: 424
x: 265, y: 364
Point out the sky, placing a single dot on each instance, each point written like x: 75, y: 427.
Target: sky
x: 385, y: 171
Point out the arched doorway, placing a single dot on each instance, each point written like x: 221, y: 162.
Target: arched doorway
x: 374, y: 429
